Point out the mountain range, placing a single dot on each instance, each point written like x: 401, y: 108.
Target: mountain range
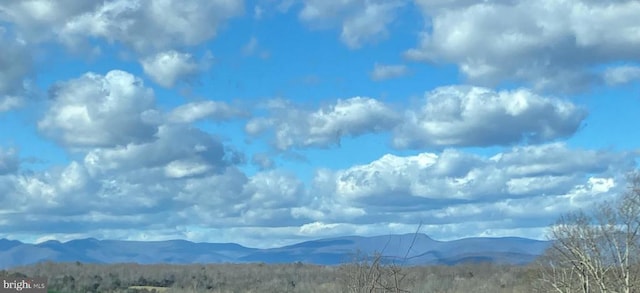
x: 407, y: 249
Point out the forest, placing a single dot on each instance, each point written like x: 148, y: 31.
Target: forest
x: 297, y: 277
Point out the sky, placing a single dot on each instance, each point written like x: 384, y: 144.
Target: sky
x: 271, y: 122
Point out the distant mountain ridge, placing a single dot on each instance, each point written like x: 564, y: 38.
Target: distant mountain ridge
x: 408, y: 249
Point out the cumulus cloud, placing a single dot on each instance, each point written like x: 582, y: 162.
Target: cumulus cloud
x: 170, y: 67
x: 151, y: 25
x: 449, y: 116
x: 61, y: 191
x: 179, y: 151
x: 194, y: 111
x: 452, y: 192
x: 454, y: 187
x: 263, y: 161
x: 621, y: 74
x: 165, y: 180
x: 15, y: 67
x: 9, y: 161
x: 361, y: 21
x: 274, y: 189
x: 100, y: 111
x: 548, y: 44
x: 554, y: 159
x: 74, y: 200
x: 296, y: 127
x: 474, y: 116
x: 36, y: 18
x: 383, y: 72
x: 144, y: 26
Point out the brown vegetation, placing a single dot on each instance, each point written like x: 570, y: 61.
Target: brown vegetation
x: 596, y: 251
x: 298, y: 277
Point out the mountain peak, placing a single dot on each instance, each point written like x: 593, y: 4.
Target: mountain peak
x: 410, y: 248
x: 6, y: 244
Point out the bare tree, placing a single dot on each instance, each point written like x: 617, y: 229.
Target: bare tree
x: 372, y: 274
x: 375, y: 274
x: 597, y: 251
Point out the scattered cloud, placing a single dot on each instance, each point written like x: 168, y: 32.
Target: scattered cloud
x: 474, y: 116
x: 450, y: 116
x: 253, y: 48
x: 9, y: 161
x: 548, y: 44
x: 454, y: 187
x: 144, y: 26
x: 250, y: 47
x: 621, y: 74
x: 296, y: 127
x: 10, y: 102
x: 383, y: 72
x: 177, y: 151
x: 214, y: 110
x: 361, y: 21
x: 263, y: 161
x: 170, y: 67
x: 453, y: 193
x: 15, y: 68
x: 152, y: 26
x: 41, y: 20
x: 274, y: 189
x: 100, y: 111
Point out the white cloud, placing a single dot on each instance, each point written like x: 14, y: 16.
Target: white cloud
x: 36, y: 18
x: 59, y: 191
x: 179, y: 150
x: 459, y: 188
x: 100, y: 111
x: 319, y: 228
x: 170, y: 67
x: 621, y: 74
x: 454, y: 194
x: 274, y: 189
x: 152, y: 25
x: 144, y: 25
x: 10, y: 102
x: 263, y: 161
x: 295, y: 127
x: 9, y: 161
x: 15, y: 68
x: 474, y: 116
x: 548, y: 44
x: 361, y: 21
x: 250, y: 47
x: 185, y: 168
x: 552, y: 159
x: 194, y: 111
x: 383, y: 72
x: 450, y: 116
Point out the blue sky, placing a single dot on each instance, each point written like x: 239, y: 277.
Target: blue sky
x: 270, y: 122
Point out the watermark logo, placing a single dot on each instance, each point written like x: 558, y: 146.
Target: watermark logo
x: 23, y: 285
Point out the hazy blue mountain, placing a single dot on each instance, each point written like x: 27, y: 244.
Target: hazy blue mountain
x: 410, y: 249
x: 8, y: 244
